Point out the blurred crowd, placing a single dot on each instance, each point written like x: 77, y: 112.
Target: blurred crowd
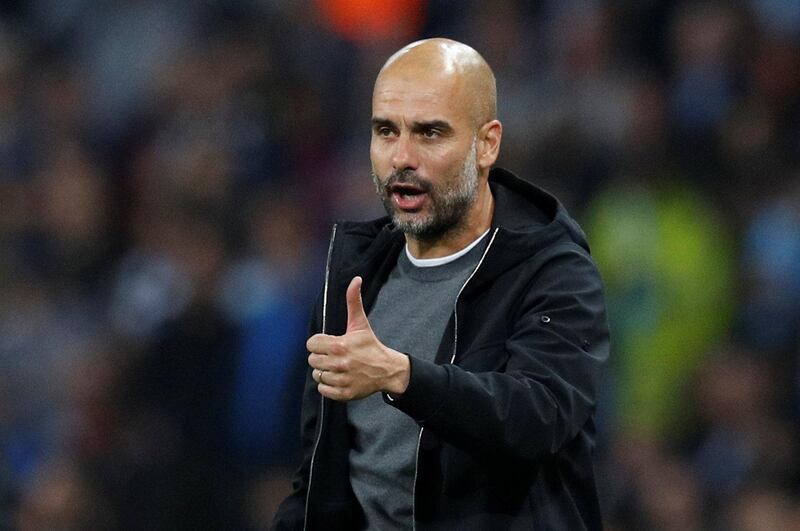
x: 170, y: 170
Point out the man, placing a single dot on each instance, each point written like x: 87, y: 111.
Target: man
x: 459, y: 393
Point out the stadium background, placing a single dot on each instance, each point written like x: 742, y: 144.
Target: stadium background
x: 169, y: 171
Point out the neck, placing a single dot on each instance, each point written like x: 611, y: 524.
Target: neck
x: 477, y: 220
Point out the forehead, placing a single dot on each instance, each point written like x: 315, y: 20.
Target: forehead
x: 419, y: 95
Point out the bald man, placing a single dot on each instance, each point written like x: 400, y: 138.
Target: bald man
x: 452, y: 372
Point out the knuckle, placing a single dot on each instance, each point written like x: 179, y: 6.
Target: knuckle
x: 339, y: 348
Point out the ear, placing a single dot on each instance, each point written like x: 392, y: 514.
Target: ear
x: 489, y: 136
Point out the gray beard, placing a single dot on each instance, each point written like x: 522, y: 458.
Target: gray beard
x: 449, y: 205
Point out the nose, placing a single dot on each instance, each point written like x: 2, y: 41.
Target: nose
x: 405, y: 154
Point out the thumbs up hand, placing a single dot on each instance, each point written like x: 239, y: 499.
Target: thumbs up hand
x: 356, y: 364
x: 356, y: 316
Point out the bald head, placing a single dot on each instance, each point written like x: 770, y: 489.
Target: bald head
x: 446, y: 61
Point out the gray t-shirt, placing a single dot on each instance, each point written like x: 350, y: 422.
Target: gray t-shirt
x: 409, y: 315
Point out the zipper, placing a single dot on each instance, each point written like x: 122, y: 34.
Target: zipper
x: 455, y: 305
x: 414, y: 487
x: 452, y: 360
x: 321, y: 398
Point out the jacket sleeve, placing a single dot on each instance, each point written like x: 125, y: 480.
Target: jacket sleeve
x: 545, y: 393
x: 291, y: 513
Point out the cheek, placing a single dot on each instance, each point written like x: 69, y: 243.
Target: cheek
x: 379, y: 159
x: 448, y: 166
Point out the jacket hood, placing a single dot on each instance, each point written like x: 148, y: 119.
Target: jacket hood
x: 522, y: 207
x: 526, y: 220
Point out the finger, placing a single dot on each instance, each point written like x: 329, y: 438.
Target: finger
x: 356, y: 316
x: 329, y: 391
x: 332, y: 379
x: 320, y: 361
x: 317, y: 376
x: 335, y: 393
x: 319, y: 343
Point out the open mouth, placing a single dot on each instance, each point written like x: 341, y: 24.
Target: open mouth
x: 408, y: 197
x: 406, y: 190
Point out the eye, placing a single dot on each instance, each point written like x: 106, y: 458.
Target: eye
x: 383, y: 131
x: 431, y: 133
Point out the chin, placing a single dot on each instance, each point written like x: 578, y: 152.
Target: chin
x: 411, y: 223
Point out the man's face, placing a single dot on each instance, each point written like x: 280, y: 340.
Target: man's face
x: 423, y: 151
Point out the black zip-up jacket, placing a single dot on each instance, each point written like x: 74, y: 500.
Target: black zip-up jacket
x: 506, y: 411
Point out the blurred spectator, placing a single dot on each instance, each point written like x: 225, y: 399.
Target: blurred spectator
x: 781, y: 17
x: 268, y: 293
x: 667, y: 263
x: 762, y: 509
x: 121, y: 46
x: 745, y: 437
x: 770, y: 313
x: 256, y: 293
x: 60, y: 498
x: 704, y: 35
x: 648, y: 487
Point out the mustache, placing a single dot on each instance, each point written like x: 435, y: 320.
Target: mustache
x: 406, y: 177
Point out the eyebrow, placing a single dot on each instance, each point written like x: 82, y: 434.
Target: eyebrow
x: 382, y: 122
x: 416, y: 127
x: 441, y: 125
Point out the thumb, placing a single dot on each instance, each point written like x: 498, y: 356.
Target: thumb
x: 356, y: 316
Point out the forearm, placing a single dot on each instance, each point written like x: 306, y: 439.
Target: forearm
x: 506, y: 413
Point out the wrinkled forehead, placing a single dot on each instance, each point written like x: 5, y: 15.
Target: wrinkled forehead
x: 410, y: 88
x: 416, y: 78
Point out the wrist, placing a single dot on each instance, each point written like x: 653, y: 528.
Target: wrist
x: 397, y: 383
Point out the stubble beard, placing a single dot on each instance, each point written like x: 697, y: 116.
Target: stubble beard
x: 449, y: 203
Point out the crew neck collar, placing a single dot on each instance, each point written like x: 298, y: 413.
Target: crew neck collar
x: 442, y: 260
